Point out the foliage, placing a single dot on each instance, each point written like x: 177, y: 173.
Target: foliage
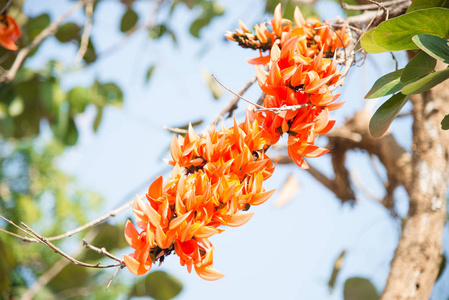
x: 427, y: 30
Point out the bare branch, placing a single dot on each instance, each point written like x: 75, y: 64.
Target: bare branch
x: 5, y: 8
x: 86, y: 32
x: 232, y: 104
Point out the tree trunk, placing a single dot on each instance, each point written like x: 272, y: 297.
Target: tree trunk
x: 417, y: 258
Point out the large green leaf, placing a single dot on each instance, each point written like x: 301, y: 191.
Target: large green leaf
x: 419, y: 66
x: 129, y: 20
x: 385, y: 114
x: 396, y: 34
x: 434, y: 46
x: 423, y: 4
x: 159, y: 285
x: 70, y: 277
x: 388, y: 84
x: 369, y: 44
x: 357, y: 288
x: 426, y: 83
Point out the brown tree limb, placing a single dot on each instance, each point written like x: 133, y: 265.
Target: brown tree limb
x: 417, y: 258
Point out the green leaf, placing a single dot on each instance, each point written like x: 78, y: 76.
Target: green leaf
x: 16, y: 107
x: 70, y: 277
x: 419, y: 66
x: 369, y: 44
x: 210, y: 11
x: 159, y: 285
x: 434, y: 46
x: 91, y: 55
x: 78, y: 99
x: 426, y: 83
x: 35, y: 25
x: 442, y: 267
x: 149, y: 73
x: 386, y: 85
x: 129, y: 20
x: 98, y: 118
x: 445, y: 123
x: 396, y: 34
x: 357, y: 288
x: 423, y: 4
x: 7, y: 264
x: 67, y: 32
x: 385, y: 114
x: 337, y: 267
x: 197, y: 25
x: 157, y: 31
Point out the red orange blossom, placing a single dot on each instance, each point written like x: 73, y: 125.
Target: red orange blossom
x: 217, y: 176
x: 214, y: 178
x: 9, y: 32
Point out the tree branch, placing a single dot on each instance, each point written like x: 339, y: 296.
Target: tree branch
x: 86, y: 32
x: 24, y: 52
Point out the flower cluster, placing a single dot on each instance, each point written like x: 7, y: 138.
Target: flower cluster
x: 9, y: 32
x: 214, y: 178
x: 313, y: 36
x: 302, y: 66
x: 219, y: 175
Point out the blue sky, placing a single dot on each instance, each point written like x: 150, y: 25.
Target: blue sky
x: 282, y: 253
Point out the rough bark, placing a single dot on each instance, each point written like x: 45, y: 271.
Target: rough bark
x: 417, y: 258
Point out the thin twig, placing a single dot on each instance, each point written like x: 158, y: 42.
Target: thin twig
x: 86, y: 32
x: 113, y: 276
x: 370, y: 6
x: 5, y: 8
x: 24, y: 52
x: 54, y: 270
x: 176, y: 130
x: 232, y: 104
x: 44, y: 241
x: 235, y: 94
x: 102, y: 251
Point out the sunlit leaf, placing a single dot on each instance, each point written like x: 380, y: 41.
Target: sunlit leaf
x: 419, y: 66
x: 98, y: 118
x: 336, y: 270
x: 357, y: 288
x: 150, y: 73
x: 386, y: 85
x: 211, y: 10
x: 396, y: 34
x: 426, y: 83
x: 158, y: 285
x: 16, y: 107
x: 78, y: 98
x: 423, y: 4
x: 129, y: 20
x: 434, y: 46
x: 385, y: 114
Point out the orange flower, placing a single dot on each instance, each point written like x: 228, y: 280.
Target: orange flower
x: 9, y: 32
x: 214, y: 178
x: 293, y: 80
x: 313, y: 36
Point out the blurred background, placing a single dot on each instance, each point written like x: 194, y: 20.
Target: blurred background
x: 80, y: 136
